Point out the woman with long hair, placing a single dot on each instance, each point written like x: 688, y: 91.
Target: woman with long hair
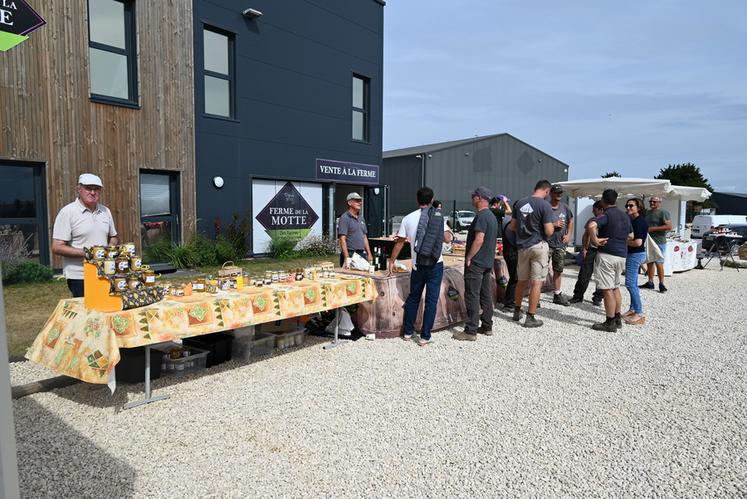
x: 636, y: 256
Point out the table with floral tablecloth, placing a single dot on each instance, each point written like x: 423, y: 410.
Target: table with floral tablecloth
x: 84, y: 344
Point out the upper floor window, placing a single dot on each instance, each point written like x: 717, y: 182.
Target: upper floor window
x: 111, y: 49
x: 218, y: 69
x: 361, y: 105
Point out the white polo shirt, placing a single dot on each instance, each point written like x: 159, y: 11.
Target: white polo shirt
x: 408, y: 228
x: 82, y: 228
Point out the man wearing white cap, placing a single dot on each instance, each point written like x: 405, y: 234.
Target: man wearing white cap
x: 352, y: 231
x: 82, y: 224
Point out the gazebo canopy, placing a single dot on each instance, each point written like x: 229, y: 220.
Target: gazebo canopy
x: 626, y: 187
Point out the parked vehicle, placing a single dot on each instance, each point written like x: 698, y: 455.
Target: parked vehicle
x: 706, y: 223
x: 740, y: 229
x: 461, y: 219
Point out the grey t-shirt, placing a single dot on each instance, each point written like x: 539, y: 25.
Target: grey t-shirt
x: 486, y: 223
x: 354, y: 229
x: 562, y: 211
x: 531, y: 214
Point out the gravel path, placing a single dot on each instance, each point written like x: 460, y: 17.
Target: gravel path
x: 23, y: 372
x: 562, y: 410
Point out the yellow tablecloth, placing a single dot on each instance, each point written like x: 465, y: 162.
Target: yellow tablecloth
x: 84, y: 344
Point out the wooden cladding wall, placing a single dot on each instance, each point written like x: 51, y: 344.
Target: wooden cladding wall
x: 46, y: 115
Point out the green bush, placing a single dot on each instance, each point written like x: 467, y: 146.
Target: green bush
x: 28, y: 272
x: 224, y: 251
x: 202, y: 251
x: 180, y: 256
x: 158, y: 252
x: 236, y: 234
x: 318, y: 246
x: 282, y: 249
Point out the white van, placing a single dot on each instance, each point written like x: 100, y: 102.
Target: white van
x: 704, y: 223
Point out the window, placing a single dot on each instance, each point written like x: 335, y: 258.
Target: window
x: 23, y: 211
x: 159, y: 209
x: 360, y: 108
x: 111, y: 49
x: 218, y: 69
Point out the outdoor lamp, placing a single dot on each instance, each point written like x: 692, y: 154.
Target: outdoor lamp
x: 218, y: 182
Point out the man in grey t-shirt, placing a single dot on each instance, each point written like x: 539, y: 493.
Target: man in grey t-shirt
x: 352, y: 231
x: 533, y: 223
x: 478, y: 268
x: 559, y: 240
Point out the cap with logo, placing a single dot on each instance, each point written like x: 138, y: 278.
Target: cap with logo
x: 557, y: 188
x: 354, y: 195
x: 89, y: 179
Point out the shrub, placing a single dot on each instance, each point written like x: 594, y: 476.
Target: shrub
x: 28, y: 272
x: 202, y: 251
x: 224, y: 251
x: 236, y: 234
x: 319, y: 246
x: 13, y: 250
x: 158, y: 252
x: 282, y: 248
x: 180, y: 256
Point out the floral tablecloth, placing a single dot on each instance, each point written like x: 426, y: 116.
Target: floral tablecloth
x: 84, y: 344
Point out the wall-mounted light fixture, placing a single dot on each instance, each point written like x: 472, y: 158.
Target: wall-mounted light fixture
x: 376, y: 191
x: 251, y: 13
x: 218, y: 182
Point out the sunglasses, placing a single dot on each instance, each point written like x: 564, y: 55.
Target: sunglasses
x: 652, y: 202
x: 630, y: 206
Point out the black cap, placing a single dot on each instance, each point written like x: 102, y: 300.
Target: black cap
x: 557, y: 188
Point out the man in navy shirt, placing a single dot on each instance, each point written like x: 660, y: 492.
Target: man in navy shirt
x: 614, y: 231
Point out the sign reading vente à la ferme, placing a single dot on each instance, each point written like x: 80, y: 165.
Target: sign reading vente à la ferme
x: 346, y: 172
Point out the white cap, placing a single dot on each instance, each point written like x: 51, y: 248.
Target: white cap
x: 353, y: 195
x: 89, y: 179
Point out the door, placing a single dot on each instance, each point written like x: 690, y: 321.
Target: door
x: 23, y: 209
x: 159, y: 209
x: 375, y: 210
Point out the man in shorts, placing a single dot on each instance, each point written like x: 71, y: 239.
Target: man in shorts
x: 559, y: 240
x: 533, y: 223
x: 610, y: 233
x: 659, y: 223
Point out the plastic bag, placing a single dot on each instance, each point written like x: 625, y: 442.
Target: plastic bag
x: 653, y: 252
x: 346, y: 324
x: 357, y: 262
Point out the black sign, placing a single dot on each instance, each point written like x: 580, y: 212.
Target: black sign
x: 17, y: 17
x: 349, y: 173
x: 287, y: 210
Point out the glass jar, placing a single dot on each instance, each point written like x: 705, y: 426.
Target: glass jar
x: 136, y: 263
x: 149, y: 278
x: 109, y: 266
x: 198, y: 286
x: 133, y: 282
x: 123, y: 264
x: 98, y: 253
x: 120, y: 283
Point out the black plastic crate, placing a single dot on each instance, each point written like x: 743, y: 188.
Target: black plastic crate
x: 131, y: 367
x: 217, y: 344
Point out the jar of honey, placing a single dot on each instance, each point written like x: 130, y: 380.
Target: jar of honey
x: 109, y: 266
x: 112, y: 252
x: 120, y: 283
x: 127, y: 249
x: 123, y: 263
x: 98, y: 252
x: 133, y: 282
x: 136, y: 263
x: 198, y: 286
x: 149, y: 278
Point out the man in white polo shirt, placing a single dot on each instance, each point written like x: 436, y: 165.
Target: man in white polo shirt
x: 84, y: 223
x: 426, y: 229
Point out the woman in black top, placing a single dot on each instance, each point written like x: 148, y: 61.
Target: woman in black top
x: 636, y: 256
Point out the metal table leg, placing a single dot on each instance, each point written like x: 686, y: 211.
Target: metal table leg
x: 148, y: 395
x: 337, y: 341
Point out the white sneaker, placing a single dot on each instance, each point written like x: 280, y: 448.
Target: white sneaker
x: 422, y: 341
x: 407, y: 337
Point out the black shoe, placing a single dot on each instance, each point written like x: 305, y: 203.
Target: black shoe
x: 532, y: 322
x: 576, y: 299
x: 608, y: 326
x: 508, y: 307
x: 648, y: 285
x: 485, y: 331
x: 596, y: 302
x: 517, y: 315
x: 662, y: 288
x: 618, y: 321
x: 559, y: 299
x: 464, y: 336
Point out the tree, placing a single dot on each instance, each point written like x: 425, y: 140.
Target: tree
x: 613, y: 173
x: 686, y: 174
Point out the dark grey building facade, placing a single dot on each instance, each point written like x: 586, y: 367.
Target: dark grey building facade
x: 729, y: 203
x: 278, y: 89
x: 453, y: 169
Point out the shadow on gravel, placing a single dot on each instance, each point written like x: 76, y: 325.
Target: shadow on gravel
x: 558, y: 313
x: 54, y: 460
x: 100, y: 396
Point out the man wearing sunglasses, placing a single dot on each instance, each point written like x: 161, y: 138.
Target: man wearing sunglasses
x: 659, y: 223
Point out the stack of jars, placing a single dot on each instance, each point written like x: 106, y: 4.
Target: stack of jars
x: 123, y: 268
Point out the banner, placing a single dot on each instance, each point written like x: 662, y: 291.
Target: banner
x: 346, y: 172
x: 17, y: 21
x: 285, y: 214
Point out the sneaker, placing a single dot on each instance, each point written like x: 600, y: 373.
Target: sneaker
x: 662, y: 288
x: 485, y: 331
x: 648, y: 285
x: 464, y: 336
x: 608, y: 326
x: 508, y: 307
x: 531, y: 321
x: 618, y: 321
x: 422, y: 341
x: 517, y: 315
x: 576, y: 299
x: 407, y: 337
x: 559, y: 299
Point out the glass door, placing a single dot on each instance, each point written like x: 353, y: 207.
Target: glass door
x: 159, y: 209
x: 23, y: 209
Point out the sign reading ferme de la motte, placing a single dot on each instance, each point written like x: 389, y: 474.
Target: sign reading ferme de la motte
x: 17, y: 20
x: 343, y: 171
x: 287, y: 210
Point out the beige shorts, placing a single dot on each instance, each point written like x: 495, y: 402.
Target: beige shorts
x: 533, y: 262
x: 609, y: 271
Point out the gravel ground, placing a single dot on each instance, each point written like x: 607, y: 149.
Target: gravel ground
x: 23, y: 372
x: 562, y: 410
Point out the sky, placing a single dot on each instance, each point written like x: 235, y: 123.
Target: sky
x: 601, y: 85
